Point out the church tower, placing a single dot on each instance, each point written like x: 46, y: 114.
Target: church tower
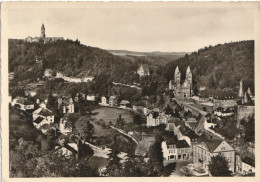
x: 189, y: 75
x: 43, y: 31
x: 240, y: 92
x: 177, y: 76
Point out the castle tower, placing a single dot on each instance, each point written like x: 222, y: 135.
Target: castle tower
x: 177, y: 76
x: 249, y: 92
x: 240, y: 92
x: 189, y: 75
x: 43, y: 31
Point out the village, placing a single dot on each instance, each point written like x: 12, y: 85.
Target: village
x: 193, y: 128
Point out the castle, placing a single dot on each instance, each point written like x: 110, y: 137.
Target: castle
x: 43, y: 37
x: 184, y: 90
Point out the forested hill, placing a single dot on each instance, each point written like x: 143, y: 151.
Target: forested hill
x: 70, y: 57
x: 221, y: 66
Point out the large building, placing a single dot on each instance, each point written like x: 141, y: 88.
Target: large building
x: 43, y: 37
x: 208, y: 146
x: 183, y: 90
x: 155, y: 118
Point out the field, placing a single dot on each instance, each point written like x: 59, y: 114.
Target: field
x: 111, y: 114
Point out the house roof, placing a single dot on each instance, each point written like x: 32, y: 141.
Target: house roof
x: 191, y: 120
x: 154, y: 114
x: 182, y: 144
x: 249, y: 161
x: 145, y: 67
x: 38, y: 120
x: 174, y: 120
x: 24, y: 101
x: 45, y: 112
x: 217, y: 94
x: 124, y: 102
x: 211, y: 142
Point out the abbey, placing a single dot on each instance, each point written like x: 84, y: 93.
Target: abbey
x: 43, y: 37
x: 183, y: 90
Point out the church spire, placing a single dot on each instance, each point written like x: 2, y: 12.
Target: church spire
x: 240, y: 92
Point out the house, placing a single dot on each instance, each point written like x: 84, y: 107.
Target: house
x: 45, y: 113
x: 224, y: 112
x: 112, y: 101
x: 124, y: 104
x: 208, y: 146
x: 191, y: 123
x: 245, y: 165
x: 11, y: 76
x: 87, y: 78
x: 103, y: 100
x: 23, y: 103
x: 40, y: 121
x: 64, y: 127
x: 66, y: 105
x: 170, y: 125
x: 30, y: 93
x: 48, y: 73
x: 176, y: 150
x: 143, y: 70
x: 59, y: 75
x: 67, y: 150
x: 156, y: 118
x: 91, y: 97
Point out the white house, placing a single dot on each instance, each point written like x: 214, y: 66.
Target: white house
x: 88, y: 78
x: 155, y: 119
x: 91, y: 97
x: 48, y: 73
x: 67, y: 150
x: 143, y: 70
x: 245, y: 165
x: 176, y: 150
x: 112, y: 101
x: 23, y: 103
x: 66, y: 105
x: 103, y: 100
x: 209, y: 146
x: 45, y: 113
x: 124, y: 104
x: 30, y: 93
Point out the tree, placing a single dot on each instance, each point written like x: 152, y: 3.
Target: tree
x: 84, y: 128
x: 218, y: 166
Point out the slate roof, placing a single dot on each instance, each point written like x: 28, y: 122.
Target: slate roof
x: 217, y: 94
x: 38, y: 120
x: 45, y: 112
x: 145, y: 67
x: 249, y: 161
x: 182, y: 144
x: 155, y: 114
x: 210, y: 142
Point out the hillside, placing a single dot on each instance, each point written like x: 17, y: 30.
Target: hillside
x: 156, y: 58
x: 72, y: 58
x: 221, y: 66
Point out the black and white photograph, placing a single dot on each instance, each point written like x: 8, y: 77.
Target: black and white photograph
x: 116, y: 89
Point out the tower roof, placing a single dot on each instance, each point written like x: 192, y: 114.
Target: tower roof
x: 177, y: 70
x: 188, y: 70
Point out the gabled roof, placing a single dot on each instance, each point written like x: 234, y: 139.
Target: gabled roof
x: 191, y: 120
x: 182, y: 144
x: 249, y: 161
x: 210, y: 142
x: 145, y: 67
x: 174, y: 120
x: 154, y: 114
x: 217, y: 94
x: 45, y: 112
x: 38, y: 120
x: 124, y: 102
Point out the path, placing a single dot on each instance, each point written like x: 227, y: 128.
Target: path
x: 129, y: 136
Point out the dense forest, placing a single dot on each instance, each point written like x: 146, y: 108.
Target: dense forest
x: 70, y: 57
x: 221, y: 66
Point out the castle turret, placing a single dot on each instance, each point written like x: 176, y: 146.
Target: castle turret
x: 240, y: 92
x: 43, y: 31
x: 249, y: 92
x: 177, y: 76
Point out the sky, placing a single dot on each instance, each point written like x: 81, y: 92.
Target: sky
x: 142, y: 28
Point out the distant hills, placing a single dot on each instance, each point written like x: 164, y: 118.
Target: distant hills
x: 156, y: 57
x: 218, y: 67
